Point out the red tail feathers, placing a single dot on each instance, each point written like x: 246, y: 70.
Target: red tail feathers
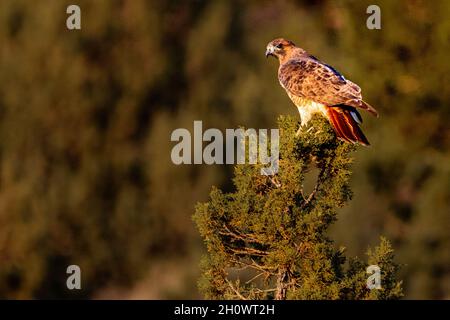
x: 345, y: 124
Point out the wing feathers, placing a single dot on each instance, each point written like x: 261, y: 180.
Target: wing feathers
x: 309, y: 78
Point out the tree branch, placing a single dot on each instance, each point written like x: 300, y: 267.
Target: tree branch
x: 283, y: 281
x: 236, y: 291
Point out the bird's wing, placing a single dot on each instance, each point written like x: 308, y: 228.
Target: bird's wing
x: 309, y: 78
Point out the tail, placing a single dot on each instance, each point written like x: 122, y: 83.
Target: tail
x: 345, y: 124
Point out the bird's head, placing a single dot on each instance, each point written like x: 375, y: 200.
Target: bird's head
x: 279, y: 48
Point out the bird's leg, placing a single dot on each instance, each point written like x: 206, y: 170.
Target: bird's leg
x: 301, y: 122
x: 301, y: 128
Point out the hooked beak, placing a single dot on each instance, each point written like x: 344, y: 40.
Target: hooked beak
x: 269, y: 52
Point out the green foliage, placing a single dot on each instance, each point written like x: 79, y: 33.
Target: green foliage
x: 268, y: 238
x: 86, y: 118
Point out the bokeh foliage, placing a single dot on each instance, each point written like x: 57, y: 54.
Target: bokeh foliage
x: 86, y: 117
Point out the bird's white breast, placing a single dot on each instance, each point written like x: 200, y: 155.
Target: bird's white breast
x: 307, y: 108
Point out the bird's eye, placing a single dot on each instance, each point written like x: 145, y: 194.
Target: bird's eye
x: 279, y: 46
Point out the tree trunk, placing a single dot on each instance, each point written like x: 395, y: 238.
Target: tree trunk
x: 282, y: 283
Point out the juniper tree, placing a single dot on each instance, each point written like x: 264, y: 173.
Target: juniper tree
x: 268, y: 239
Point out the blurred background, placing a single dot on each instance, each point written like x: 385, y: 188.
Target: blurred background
x: 86, y: 117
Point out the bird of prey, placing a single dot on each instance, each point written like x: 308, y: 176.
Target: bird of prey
x: 315, y: 87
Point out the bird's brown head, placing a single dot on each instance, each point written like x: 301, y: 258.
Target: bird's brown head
x: 280, y: 48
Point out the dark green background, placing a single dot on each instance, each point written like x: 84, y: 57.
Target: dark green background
x: 86, y: 117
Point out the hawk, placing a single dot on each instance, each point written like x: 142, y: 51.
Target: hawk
x: 315, y: 87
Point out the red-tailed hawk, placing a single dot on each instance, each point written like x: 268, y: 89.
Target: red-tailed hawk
x: 315, y: 87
